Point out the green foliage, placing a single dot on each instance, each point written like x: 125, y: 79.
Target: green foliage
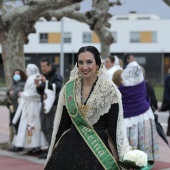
x: 159, y: 92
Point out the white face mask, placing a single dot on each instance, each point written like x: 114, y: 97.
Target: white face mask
x: 16, y: 77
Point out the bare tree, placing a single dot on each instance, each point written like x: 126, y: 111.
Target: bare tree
x: 16, y: 24
x: 167, y: 2
x: 97, y: 19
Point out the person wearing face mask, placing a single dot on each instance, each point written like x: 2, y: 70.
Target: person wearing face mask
x: 13, y: 93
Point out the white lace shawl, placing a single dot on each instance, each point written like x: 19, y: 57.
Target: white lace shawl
x: 132, y: 75
x: 104, y: 94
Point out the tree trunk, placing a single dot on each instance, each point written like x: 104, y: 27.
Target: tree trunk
x: 106, y: 39
x: 105, y: 49
x: 12, y: 55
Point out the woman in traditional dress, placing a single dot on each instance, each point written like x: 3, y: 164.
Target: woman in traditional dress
x: 89, y: 113
x: 29, y: 133
x: 139, y: 117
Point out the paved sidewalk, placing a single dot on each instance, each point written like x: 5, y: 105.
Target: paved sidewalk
x: 20, y: 161
x: 15, y: 161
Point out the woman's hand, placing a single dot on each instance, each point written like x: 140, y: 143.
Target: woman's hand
x: 11, y: 92
x: 37, y: 82
x: 19, y: 94
x: 43, y: 79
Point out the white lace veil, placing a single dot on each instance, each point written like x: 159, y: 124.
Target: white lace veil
x: 116, y: 63
x: 114, y: 68
x: 132, y: 74
x: 122, y: 142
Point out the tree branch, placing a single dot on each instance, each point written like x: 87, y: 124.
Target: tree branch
x: 167, y: 2
x: 115, y: 3
x: 35, y: 8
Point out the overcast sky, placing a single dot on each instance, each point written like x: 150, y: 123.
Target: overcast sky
x: 157, y: 7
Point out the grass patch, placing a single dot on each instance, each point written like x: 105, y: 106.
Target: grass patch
x: 159, y: 92
x: 2, y: 83
x: 4, y: 145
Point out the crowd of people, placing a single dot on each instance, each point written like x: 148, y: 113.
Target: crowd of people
x: 101, y: 114
x: 31, y: 127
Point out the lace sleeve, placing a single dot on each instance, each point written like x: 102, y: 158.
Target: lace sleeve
x: 121, y: 138
x: 57, y: 120
x: 64, y: 124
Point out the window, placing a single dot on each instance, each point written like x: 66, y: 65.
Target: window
x: 67, y: 37
x: 87, y: 37
x: 141, y: 60
x: 114, y: 34
x: 143, y: 18
x: 135, y: 37
x: 154, y: 36
x: 43, y: 37
x: 122, y: 18
x: 143, y: 37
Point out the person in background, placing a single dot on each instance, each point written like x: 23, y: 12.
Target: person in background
x: 138, y: 115
x: 151, y: 93
x: 29, y: 132
x: 166, y: 100
x: 13, y: 93
x: 48, y: 74
x: 117, y: 79
x: 112, y: 63
x: 127, y: 59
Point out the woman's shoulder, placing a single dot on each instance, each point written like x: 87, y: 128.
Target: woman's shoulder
x: 109, y: 88
x: 108, y: 91
x: 107, y: 84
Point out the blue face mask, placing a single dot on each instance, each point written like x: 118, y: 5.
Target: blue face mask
x: 16, y: 77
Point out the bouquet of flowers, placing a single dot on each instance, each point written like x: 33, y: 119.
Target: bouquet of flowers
x: 135, y: 159
x: 137, y: 156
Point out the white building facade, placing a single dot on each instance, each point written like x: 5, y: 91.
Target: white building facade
x: 145, y: 36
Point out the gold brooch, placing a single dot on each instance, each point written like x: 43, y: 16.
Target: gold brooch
x: 84, y: 109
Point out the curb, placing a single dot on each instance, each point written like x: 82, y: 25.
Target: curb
x: 20, y: 155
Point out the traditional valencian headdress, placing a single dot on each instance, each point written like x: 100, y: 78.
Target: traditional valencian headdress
x: 105, y: 96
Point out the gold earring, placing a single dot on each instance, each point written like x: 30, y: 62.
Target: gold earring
x: 97, y: 71
x: 79, y: 75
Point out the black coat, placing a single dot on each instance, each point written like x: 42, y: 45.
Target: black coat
x: 52, y: 77
x: 166, y: 96
x: 151, y: 94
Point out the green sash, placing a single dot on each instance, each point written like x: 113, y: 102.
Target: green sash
x: 87, y: 132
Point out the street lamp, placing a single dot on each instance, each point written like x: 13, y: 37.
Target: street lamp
x: 162, y: 66
x: 61, y: 51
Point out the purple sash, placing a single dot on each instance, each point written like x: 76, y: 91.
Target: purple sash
x: 135, y: 100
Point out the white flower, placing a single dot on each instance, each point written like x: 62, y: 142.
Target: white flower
x: 137, y: 156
